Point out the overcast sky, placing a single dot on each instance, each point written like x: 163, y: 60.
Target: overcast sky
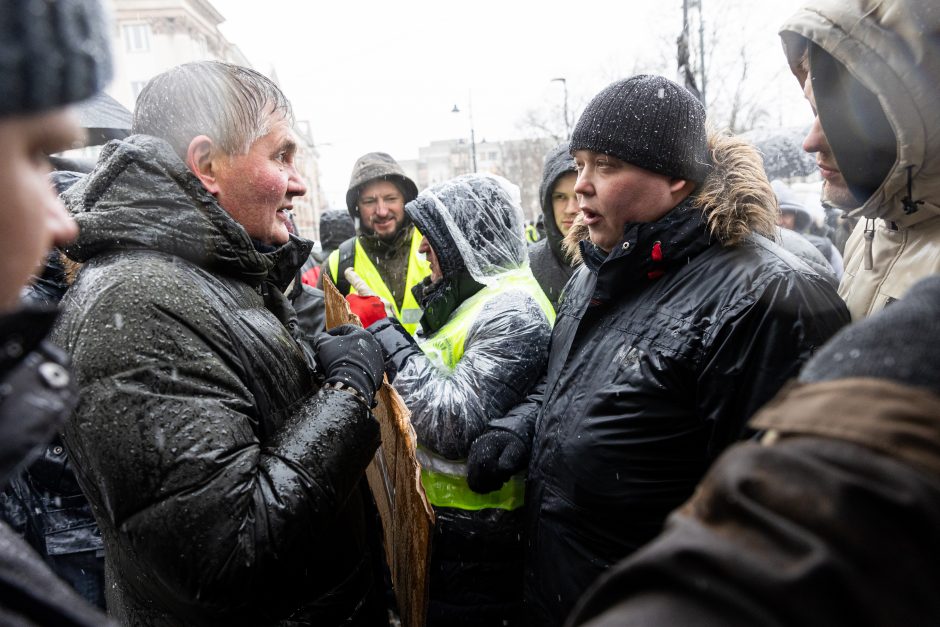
x: 372, y: 75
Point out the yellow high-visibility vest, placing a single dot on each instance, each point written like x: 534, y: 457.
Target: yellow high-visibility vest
x: 445, y: 481
x: 418, y: 267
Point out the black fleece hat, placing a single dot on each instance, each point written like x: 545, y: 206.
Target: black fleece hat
x: 52, y: 53
x: 650, y: 122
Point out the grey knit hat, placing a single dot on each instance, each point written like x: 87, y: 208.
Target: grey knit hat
x: 648, y: 121
x: 373, y: 166
x: 52, y: 53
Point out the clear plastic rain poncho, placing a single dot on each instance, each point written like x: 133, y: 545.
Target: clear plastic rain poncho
x: 501, y: 315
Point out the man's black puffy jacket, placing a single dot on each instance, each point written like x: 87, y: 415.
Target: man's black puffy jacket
x: 226, y: 486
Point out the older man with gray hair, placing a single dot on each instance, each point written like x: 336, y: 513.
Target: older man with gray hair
x: 222, y: 457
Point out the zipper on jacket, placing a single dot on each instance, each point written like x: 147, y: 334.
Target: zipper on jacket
x: 869, y: 238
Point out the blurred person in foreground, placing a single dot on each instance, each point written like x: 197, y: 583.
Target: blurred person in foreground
x: 682, y: 320
x: 551, y: 263
x: 871, y: 72
x: 46, y: 63
x: 487, y: 325
x: 221, y: 454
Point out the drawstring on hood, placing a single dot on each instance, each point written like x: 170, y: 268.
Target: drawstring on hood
x: 910, y: 205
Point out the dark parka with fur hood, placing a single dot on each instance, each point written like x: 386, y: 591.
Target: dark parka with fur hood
x: 550, y: 262
x: 661, y: 352
x: 224, y: 483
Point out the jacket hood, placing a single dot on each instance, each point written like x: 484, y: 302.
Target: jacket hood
x: 372, y: 166
x: 557, y: 163
x: 736, y: 199
x: 141, y: 195
x: 471, y: 223
x: 892, y: 48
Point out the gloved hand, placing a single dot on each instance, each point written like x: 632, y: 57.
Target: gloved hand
x: 397, y: 344
x: 494, y: 457
x: 900, y: 343
x: 368, y: 308
x: 350, y: 355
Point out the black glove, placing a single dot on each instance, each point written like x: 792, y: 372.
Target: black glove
x: 494, y: 457
x: 900, y: 343
x: 351, y: 356
x: 397, y: 344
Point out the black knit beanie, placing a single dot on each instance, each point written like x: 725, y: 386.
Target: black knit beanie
x: 650, y: 122
x: 52, y: 53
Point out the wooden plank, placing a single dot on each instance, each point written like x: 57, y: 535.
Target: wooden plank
x: 394, y: 477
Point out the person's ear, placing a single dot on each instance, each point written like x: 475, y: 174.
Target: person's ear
x: 201, y: 159
x: 680, y: 189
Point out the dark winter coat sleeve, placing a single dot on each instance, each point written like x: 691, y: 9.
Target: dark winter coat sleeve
x: 759, y: 347
x: 504, y: 354
x: 166, y: 440
x: 520, y: 420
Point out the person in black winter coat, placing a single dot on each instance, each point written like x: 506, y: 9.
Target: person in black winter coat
x: 551, y: 264
x: 46, y: 63
x: 831, y: 518
x: 222, y: 457
x: 683, y: 319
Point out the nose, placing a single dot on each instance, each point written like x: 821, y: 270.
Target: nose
x: 59, y: 223
x: 381, y: 207
x: 815, y: 140
x: 572, y: 207
x: 583, y: 184
x: 424, y: 247
x: 295, y: 184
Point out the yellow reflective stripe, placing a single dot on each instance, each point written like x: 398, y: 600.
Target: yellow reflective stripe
x: 445, y: 490
x: 446, y: 347
x: 418, y: 268
x: 334, y: 265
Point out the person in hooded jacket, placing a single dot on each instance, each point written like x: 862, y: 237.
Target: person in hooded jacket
x: 831, y: 518
x: 487, y: 325
x: 682, y: 320
x: 872, y: 76
x: 46, y: 65
x: 550, y: 262
x: 385, y: 251
x: 221, y: 454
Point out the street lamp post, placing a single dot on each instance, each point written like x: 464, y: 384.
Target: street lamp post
x: 564, y: 84
x: 473, y: 141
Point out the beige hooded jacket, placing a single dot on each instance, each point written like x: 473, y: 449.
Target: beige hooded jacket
x: 892, y: 47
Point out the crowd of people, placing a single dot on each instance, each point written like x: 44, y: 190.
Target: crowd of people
x: 684, y: 404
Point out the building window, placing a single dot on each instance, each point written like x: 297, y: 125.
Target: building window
x: 136, y: 37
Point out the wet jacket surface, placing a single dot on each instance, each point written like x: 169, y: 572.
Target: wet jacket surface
x: 550, y: 264
x: 830, y: 522
x: 893, y: 49
x: 36, y: 396
x: 223, y: 481
x: 476, y: 232
x: 661, y: 352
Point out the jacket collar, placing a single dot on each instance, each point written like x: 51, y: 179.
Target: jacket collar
x: 647, y: 251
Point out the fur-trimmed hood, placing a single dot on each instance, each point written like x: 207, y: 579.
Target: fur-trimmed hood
x: 736, y: 198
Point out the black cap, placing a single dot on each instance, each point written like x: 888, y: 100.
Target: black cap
x: 52, y: 53
x: 650, y: 122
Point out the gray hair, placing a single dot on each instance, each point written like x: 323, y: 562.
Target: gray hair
x: 232, y: 105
